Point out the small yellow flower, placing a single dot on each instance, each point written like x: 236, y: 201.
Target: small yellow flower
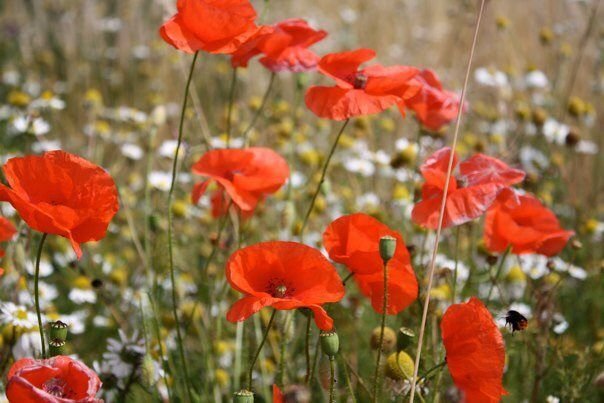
x: 442, y: 292
x: 81, y: 282
x: 502, y: 22
x: 18, y: 98
x: 546, y: 35
x: 515, y: 275
x: 222, y: 377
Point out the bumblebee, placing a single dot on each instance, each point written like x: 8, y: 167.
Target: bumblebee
x: 516, y: 321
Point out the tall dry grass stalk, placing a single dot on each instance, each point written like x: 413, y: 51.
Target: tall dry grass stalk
x: 444, y: 202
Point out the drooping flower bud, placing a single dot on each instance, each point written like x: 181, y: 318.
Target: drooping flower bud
x: 399, y: 366
x: 330, y: 343
x: 387, y: 247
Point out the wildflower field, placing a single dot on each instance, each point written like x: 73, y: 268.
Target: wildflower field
x: 301, y: 201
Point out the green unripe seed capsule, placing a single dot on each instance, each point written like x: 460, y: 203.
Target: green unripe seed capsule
x: 58, y: 330
x: 330, y: 343
x: 243, y: 396
x: 56, y: 347
x: 405, y: 338
x: 387, y: 247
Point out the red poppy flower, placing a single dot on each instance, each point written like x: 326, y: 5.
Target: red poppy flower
x: 7, y: 231
x: 245, y: 175
x: 62, y: 194
x: 215, y: 26
x: 353, y: 240
x: 475, y: 351
x: 277, y: 394
x: 480, y: 179
x: 284, y: 49
x: 522, y: 222
x: 57, y: 380
x: 284, y: 275
x: 434, y: 107
x: 359, y: 92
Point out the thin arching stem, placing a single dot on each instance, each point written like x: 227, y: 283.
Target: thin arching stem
x: 323, y: 173
x: 259, y: 111
x: 444, y: 201
x: 170, y: 219
x: 257, y: 354
x: 37, y: 294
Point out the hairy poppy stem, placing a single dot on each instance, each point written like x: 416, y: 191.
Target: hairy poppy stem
x: 230, y: 110
x: 257, y: 354
x: 347, y: 377
x: 37, y: 293
x: 259, y: 111
x: 332, y: 380
x: 444, y: 200
x: 170, y: 219
x: 323, y: 173
x: 348, y: 277
x: 376, y: 377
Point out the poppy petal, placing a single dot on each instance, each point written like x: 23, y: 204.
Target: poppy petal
x: 340, y: 104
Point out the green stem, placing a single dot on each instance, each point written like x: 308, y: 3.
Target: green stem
x: 497, y: 273
x: 376, y: 382
x: 170, y: 219
x: 332, y: 380
x: 230, y: 110
x: 348, y: 382
x: 454, y: 287
x: 37, y: 294
x: 348, y: 277
x: 253, y: 362
x: 307, y: 348
x: 221, y: 227
x: 323, y: 173
x: 260, y: 109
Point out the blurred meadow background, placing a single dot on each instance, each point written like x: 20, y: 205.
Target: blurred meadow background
x: 94, y: 78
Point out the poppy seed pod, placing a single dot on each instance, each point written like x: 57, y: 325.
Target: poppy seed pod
x: 58, y: 331
x: 405, y: 338
x: 387, y: 247
x: 330, y: 343
x: 56, y: 347
x: 243, y: 396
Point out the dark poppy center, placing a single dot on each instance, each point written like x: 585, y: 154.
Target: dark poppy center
x: 278, y: 288
x: 56, y: 387
x: 360, y: 81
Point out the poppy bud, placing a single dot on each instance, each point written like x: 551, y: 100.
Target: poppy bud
x: 243, y: 396
x: 405, y: 338
x: 330, y: 343
x: 539, y: 116
x: 56, y: 347
x: 58, y: 331
x: 387, y: 247
x: 389, y: 339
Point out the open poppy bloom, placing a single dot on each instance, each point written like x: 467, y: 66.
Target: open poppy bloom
x: 475, y: 351
x: 7, y: 231
x: 62, y: 194
x: 522, y: 222
x: 284, y: 49
x: 434, y: 107
x: 359, y: 92
x: 284, y: 275
x: 215, y: 26
x: 244, y: 175
x: 353, y: 240
x: 480, y: 180
x: 56, y: 380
